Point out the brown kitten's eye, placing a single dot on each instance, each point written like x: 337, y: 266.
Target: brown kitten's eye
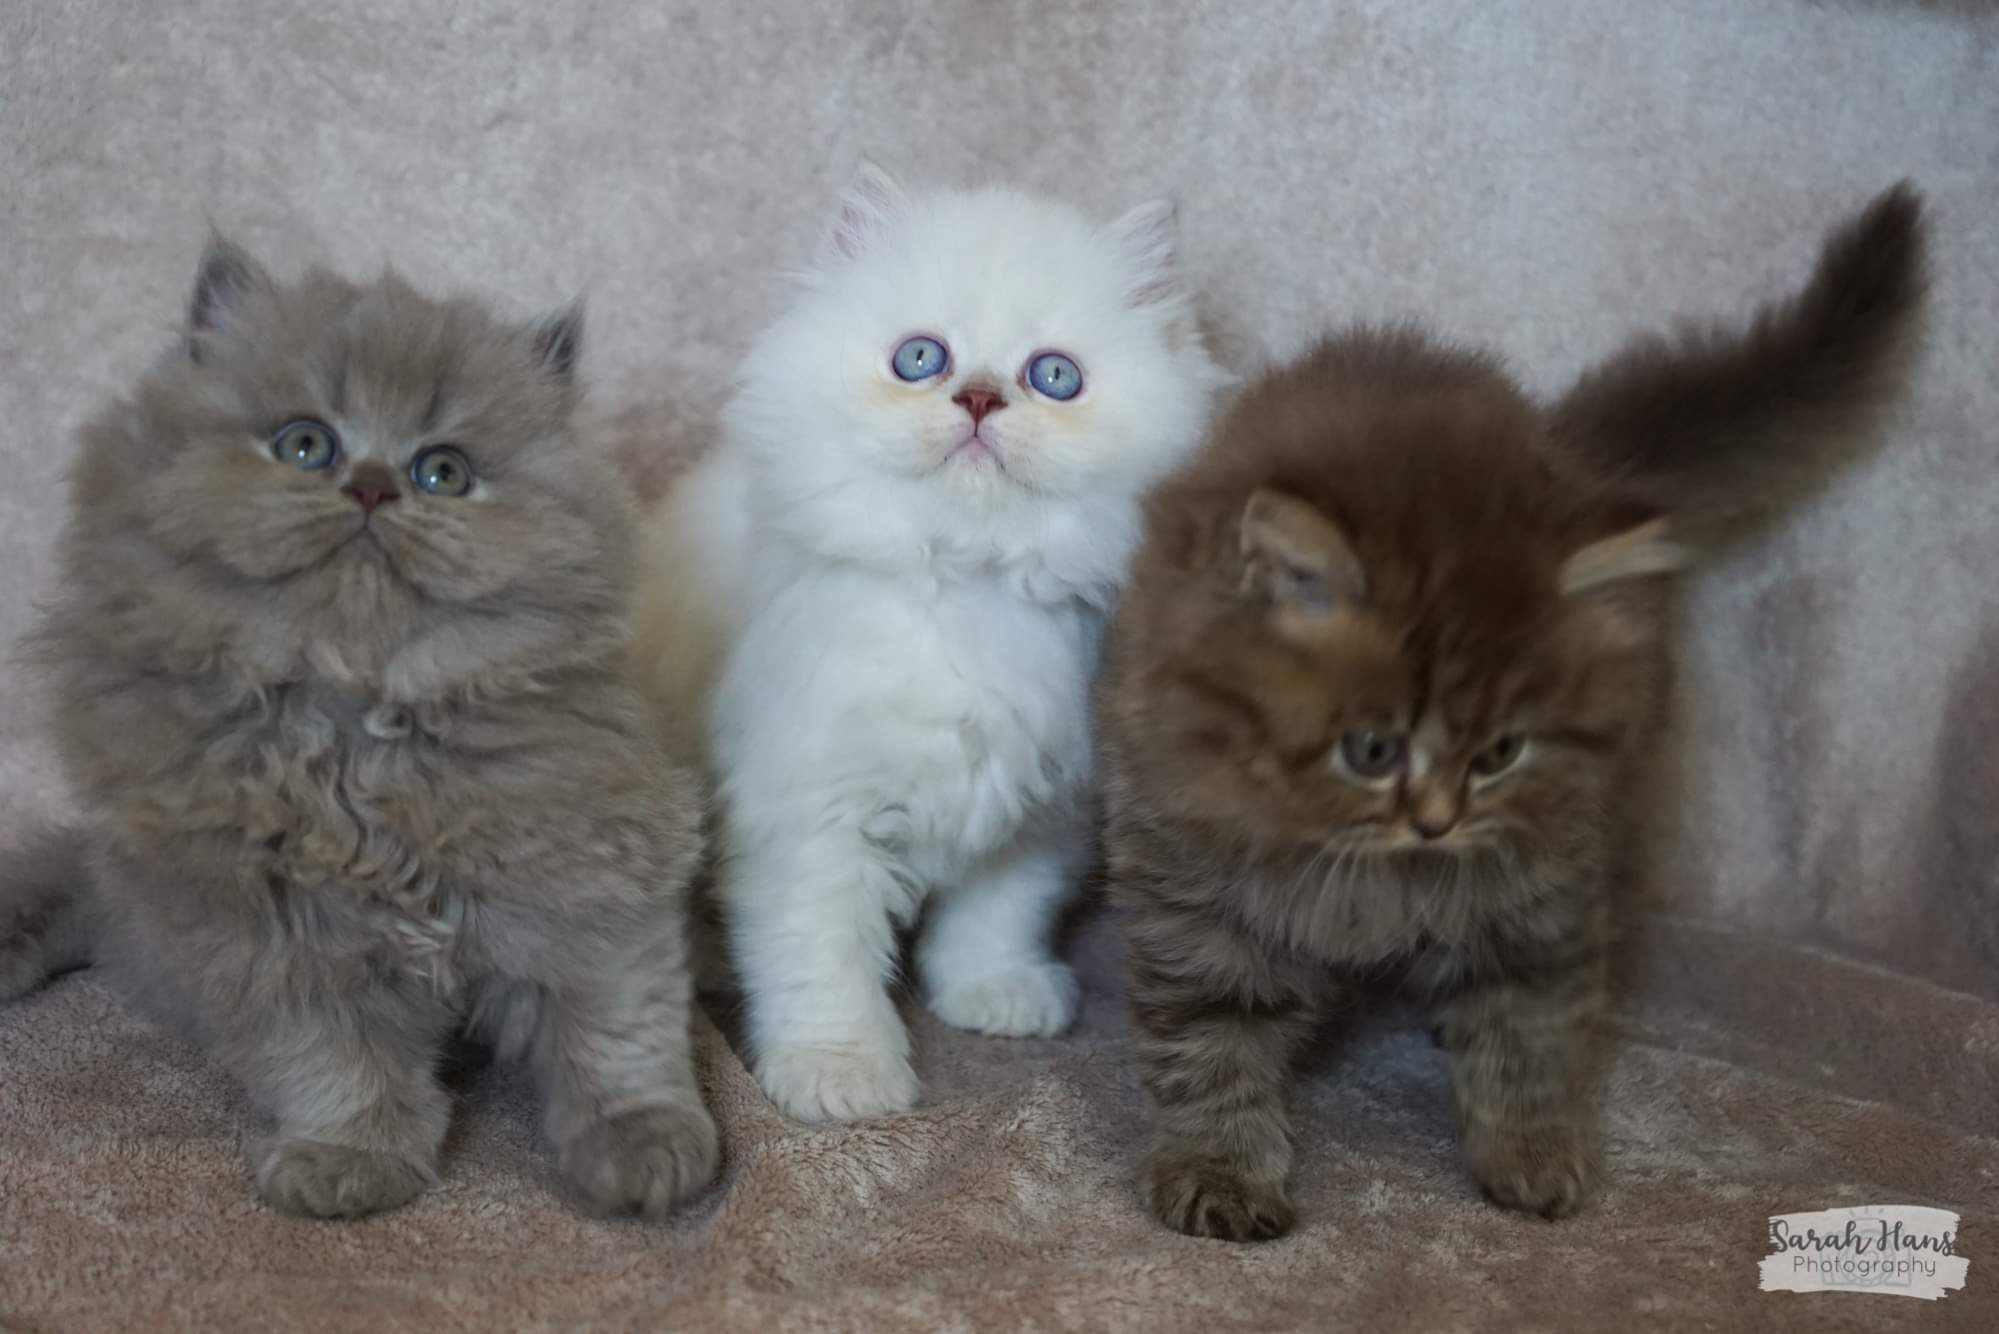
x: 1371, y: 754
x: 1500, y: 756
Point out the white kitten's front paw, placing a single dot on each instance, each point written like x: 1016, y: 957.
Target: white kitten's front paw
x: 1029, y: 1000
x: 844, y: 1081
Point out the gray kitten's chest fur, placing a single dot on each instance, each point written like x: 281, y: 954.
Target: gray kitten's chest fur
x: 338, y: 796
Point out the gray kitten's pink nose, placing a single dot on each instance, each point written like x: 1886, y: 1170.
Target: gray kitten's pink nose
x: 372, y: 486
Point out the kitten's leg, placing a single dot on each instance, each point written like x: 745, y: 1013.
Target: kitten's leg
x: 612, y: 1054
x: 813, y: 927
x: 351, y: 1081
x: 43, y: 912
x: 984, y: 958
x: 1217, y: 1034
x: 1524, y: 1064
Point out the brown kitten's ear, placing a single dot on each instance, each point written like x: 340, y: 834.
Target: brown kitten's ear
x: 558, y: 341
x: 1636, y: 553
x: 866, y: 205
x: 226, y: 275
x: 1295, y: 556
x: 1149, y: 239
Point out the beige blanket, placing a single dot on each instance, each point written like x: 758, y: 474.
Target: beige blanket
x: 1813, y: 1009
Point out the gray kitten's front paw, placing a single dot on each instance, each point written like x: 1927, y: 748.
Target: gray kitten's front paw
x: 642, y: 1162
x: 319, y: 1180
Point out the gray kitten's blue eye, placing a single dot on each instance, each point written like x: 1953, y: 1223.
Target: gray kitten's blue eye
x: 1056, y: 376
x: 442, y: 471
x: 920, y: 357
x: 306, y: 444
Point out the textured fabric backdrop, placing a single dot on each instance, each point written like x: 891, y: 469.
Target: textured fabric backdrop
x: 1814, y: 1018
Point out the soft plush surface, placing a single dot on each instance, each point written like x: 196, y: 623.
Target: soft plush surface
x: 1813, y: 1014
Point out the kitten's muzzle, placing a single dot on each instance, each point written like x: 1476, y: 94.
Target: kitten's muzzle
x: 372, y: 486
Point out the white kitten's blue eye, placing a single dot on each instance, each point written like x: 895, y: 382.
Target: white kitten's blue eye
x: 920, y: 357
x: 306, y: 444
x: 1056, y: 376
x: 442, y: 471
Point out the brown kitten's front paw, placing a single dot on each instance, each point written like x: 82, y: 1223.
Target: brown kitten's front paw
x: 1550, y: 1171
x: 642, y: 1162
x: 320, y: 1180
x: 1205, y: 1197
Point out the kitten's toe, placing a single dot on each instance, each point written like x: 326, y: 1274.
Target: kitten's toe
x: 321, y: 1180
x: 21, y: 969
x: 642, y: 1162
x: 1550, y: 1171
x: 1205, y: 1197
x: 847, y: 1081
x: 1030, y: 1000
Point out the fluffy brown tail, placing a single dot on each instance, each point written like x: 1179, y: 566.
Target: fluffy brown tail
x: 43, y: 918
x: 1720, y: 429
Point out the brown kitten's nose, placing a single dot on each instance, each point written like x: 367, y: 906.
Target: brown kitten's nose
x: 1432, y: 828
x: 978, y: 402
x: 372, y: 486
x: 1434, y: 813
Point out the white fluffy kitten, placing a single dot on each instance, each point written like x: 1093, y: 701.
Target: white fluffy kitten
x: 884, y: 591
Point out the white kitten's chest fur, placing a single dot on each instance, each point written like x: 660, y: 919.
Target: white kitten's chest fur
x: 944, y: 714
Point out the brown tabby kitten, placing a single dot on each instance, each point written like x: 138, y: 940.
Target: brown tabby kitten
x: 335, y: 671
x: 1378, y: 693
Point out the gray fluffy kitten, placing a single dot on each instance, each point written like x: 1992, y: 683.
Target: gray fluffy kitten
x: 335, y: 670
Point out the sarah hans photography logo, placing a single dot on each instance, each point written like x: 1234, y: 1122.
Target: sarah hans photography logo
x: 1903, y: 1250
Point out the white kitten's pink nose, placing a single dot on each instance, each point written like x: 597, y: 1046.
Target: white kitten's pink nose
x: 978, y: 402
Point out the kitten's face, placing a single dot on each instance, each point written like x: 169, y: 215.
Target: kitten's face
x: 360, y: 459
x: 1417, y: 668
x: 981, y: 353
x: 1455, y: 709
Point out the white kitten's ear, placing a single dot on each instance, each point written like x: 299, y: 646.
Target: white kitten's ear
x: 1636, y: 553
x: 866, y: 205
x: 1296, y: 557
x: 558, y: 340
x: 226, y: 275
x: 1149, y: 239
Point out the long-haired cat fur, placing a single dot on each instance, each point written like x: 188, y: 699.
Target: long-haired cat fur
x: 335, y: 667
x: 1378, y: 694
x: 884, y: 593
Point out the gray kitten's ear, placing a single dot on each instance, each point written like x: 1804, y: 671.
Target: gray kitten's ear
x: 866, y: 205
x: 226, y: 275
x: 1296, y: 557
x: 1149, y: 239
x: 558, y: 340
